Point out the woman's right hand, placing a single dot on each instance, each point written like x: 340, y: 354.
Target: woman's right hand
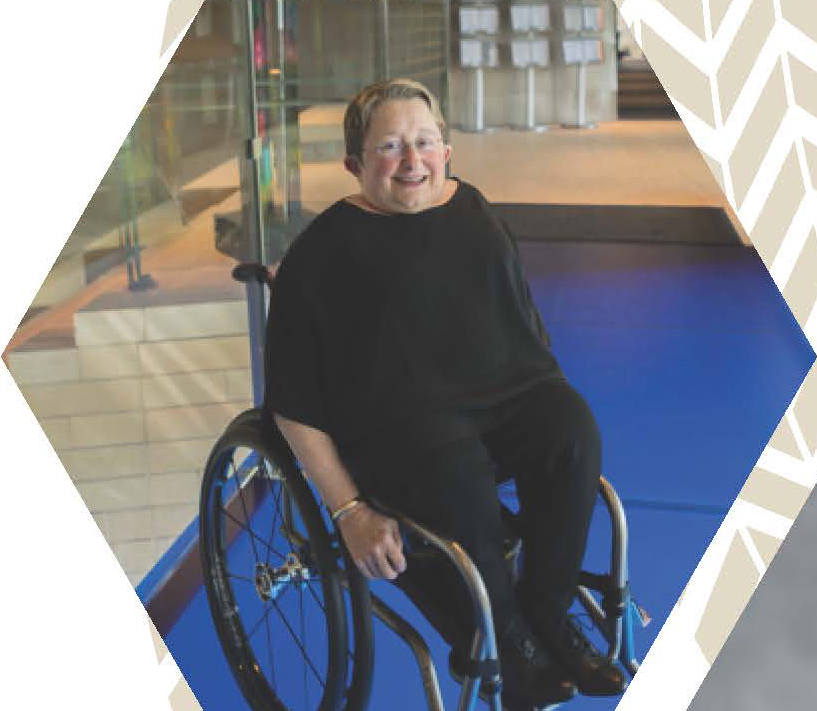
x: 373, y: 542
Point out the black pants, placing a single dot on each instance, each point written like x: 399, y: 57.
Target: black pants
x: 547, y: 440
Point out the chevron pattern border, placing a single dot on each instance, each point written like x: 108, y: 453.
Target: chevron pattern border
x: 743, y: 76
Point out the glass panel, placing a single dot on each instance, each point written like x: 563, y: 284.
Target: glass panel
x: 311, y: 57
x: 134, y: 354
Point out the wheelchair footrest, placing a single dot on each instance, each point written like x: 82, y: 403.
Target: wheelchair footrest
x: 613, y: 598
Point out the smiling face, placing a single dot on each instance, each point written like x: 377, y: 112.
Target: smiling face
x: 404, y: 180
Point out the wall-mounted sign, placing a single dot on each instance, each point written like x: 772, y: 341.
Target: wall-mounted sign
x: 573, y: 18
x: 530, y: 18
x: 593, y: 19
x: 588, y: 18
x: 593, y: 51
x: 479, y: 19
x: 582, y: 50
x: 526, y: 53
x: 476, y: 53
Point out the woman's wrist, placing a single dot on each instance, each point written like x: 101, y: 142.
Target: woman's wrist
x: 346, y: 508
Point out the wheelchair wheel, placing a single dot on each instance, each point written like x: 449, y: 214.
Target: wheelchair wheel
x: 273, y: 584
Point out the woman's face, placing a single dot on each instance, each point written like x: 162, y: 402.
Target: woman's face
x: 403, y: 163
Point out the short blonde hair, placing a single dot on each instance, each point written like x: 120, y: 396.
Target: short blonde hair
x: 361, y: 108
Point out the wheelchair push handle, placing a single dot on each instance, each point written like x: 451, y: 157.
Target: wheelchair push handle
x: 252, y: 271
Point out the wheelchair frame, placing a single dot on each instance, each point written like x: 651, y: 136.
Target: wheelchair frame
x: 613, y: 615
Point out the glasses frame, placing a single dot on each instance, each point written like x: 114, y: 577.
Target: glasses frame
x: 385, y: 150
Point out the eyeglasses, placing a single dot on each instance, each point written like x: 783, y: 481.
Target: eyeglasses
x: 395, y: 147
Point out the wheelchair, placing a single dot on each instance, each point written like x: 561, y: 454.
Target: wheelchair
x: 294, y: 615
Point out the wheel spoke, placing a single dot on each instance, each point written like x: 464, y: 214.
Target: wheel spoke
x: 253, y: 536
x: 270, y: 654
x: 240, y: 577
x: 288, y: 527
x: 258, y: 622
x: 315, y: 595
x: 277, y: 510
x: 298, y: 643
x: 244, y: 505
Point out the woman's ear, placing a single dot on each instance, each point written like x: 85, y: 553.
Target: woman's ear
x: 446, y: 153
x: 352, y: 164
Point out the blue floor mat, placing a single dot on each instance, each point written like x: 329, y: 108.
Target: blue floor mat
x: 682, y: 419
x: 665, y: 548
x: 688, y: 356
x: 628, y: 286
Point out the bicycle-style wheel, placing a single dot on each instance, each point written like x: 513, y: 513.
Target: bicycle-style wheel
x: 273, y: 583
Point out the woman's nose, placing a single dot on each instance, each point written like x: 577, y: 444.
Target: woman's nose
x: 410, y: 154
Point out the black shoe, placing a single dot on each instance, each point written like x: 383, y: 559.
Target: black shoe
x: 593, y: 673
x: 530, y: 678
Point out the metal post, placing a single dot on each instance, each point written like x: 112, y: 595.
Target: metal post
x: 133, y: 260
x: 445, y: 86
x: 479, y: 100
x: 282, y: 147
x: 581, y: 85
x: 256, y: 303
x: 580, y: 94
x: 581, y: 100
x: 530, y: 101
x: 381, y: 41
x: 530, y: 94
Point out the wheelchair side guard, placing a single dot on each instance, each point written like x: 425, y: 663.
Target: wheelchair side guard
x: 615, y: 615
x: 484, y: 662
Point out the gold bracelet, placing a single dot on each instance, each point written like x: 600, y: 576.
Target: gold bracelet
x: 341, y: 511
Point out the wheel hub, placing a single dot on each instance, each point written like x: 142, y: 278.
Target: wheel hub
x: 269, y: 581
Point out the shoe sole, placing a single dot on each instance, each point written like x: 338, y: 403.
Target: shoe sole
x: 459, y: 678
x: 603, y: 694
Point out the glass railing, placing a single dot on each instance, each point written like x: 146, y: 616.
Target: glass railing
x: 136, y: 352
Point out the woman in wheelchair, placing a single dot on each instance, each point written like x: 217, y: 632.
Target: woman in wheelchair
x: 407, y: 364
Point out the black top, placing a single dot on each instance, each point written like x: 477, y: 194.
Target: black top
x: 401, y: 323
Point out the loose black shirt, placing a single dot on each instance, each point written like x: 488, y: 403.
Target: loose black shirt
x: 405, y: 323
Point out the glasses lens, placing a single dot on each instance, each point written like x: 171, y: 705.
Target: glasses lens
x: 392, y: 149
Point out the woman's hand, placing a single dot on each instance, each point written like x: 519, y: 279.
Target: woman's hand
x: 374, y: 542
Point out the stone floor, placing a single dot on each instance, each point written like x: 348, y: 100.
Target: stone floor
x: 618, y: 163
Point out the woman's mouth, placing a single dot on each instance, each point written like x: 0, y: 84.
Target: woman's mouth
x: 411, y: 180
